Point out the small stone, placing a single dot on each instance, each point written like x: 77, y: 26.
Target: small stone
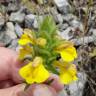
x: 66, y: 33
x: 6, y: 40
x: 76, y: 24
x: 17, y: 17
x: 14, y: 44
x: 58, y: 18
x: 63, y: 6
x: 18, y: 30
x: 35, y: 24
x: 63, y: 26
x: 10, y: 26
x: 69, y: 17
x: 10, y: 31
x: 12, y: 7
x: 2, y: 9
x: 61, y: 3
x: 32, y: 20
x: 29, y: 20
x: 38, y: 19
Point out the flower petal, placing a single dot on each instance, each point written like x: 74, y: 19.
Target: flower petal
x: 68, y: 75
x: 24, y: 40
x: 68, y: 54
x: 72, y: 69
x: 34, y: 74
x: 26, y: 73
x: 75, y: 78
x: 65, y: 78
x: 41, y: 74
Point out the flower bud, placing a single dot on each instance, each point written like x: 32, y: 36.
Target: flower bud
x: 41, y: 42
x: 37, y: 61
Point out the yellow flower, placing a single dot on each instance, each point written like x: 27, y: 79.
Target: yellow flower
x: 67, y: 51
x: 25, y: 39
x: 68, y: 54
x: 25, y: 51
x: 41, y: 41
x: 34, y: 74
x: 68, y: 75
x: 67, y: 72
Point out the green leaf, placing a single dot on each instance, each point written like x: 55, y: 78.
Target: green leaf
x: 48, y: 26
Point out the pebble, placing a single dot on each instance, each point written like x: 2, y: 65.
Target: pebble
x: 29, y: 20
x: 17, y: 17
x: 2, y: 9
x: 13, y: 7
x: 62, y: 27
x: 69, y: 17
x: 35, y: 24
x: 14, y: 44
x: 10, y: 31
x: 66, y: 33
x: 18, y: 30
x: 32, y: 20
x: 77, y: 24
x: 63, y: 6
x: 6, y: 40
x: 61, y: 3
x: 58, y: 18
x: 37, y: 20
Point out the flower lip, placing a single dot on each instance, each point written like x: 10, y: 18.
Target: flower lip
x: 33, y: 74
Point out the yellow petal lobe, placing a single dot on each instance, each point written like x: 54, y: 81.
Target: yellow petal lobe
x: 34, y: 74
x: 24, y: 40
x: 68, y: 54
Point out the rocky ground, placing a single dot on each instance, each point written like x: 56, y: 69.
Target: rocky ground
x: 76, y: 21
